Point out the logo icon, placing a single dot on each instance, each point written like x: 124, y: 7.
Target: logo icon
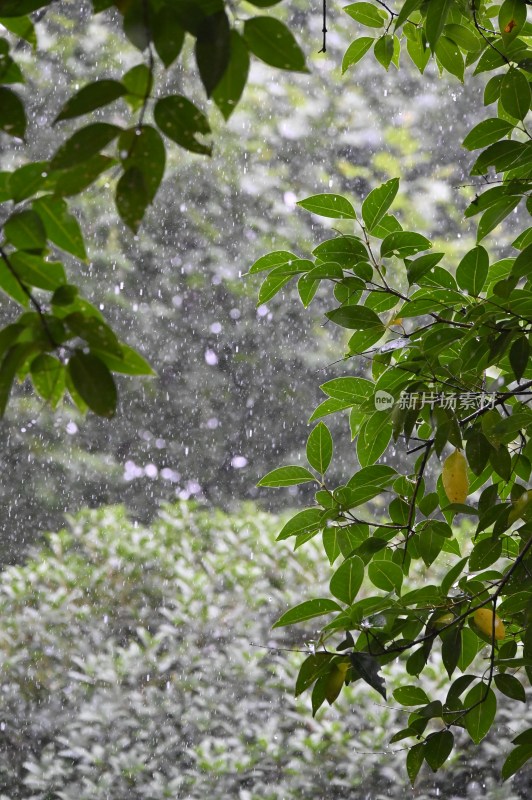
x: 383, y: 400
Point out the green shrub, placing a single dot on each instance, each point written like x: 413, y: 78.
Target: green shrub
x: 131, y: 670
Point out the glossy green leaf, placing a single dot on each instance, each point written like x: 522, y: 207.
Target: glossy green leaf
x: 142, y: 148
x: 515, y: 93
x: 229, y: 88
x: 182, y: 122
x: 271, y: 41
x: 356, y: 51
x: 483, y: 705
x: 378, y: 202
x: 286, y: 476
x: 129, y: 362
x: 355, y: 317
x: 12, y: 113
x: 307, y: 610
x: 48, y: 376
x: 347, y: 580
x: 36, y: 271
x: 472, y: 271
x: 386, y: 575
x: 411, y: 696
x: 25, y: 230
x: 213, y: 49
x: 89, y: 98
x: 403, y: 244
x: 438, y: 748
x: 168, y: 35
x: 437, y: 13
x: 320, y: 448
x: 367, y: 14
x: 487, y: 132
x: 329, y: 205
x: 510, y: 686
x: 132, y: 197
x: 61, y: 227
x: 304, y: 521
x: 94, y: 383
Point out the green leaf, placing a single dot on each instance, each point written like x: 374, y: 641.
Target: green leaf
x: 11, y: 286
x: 61, y: 227
x: 521, y: 265
x: 485, y: 553
x: 495, y: 215
x: 279, y: 258
x: 229, y: 89
x: 303, y: 522
x: 356, y: 51
x: 386, y: 575
x: 329, y: 205
x: 519, y: 356
x: 406, y: 9
x: 347, y: 580
x: 27, y: 180
x: 437, y: 13
x: 182, y: 122
x: 510, y: 686
x: 168, y: 35
x: 374, y: 438
x: 515, y: 93
x: 94, y: 383
x: 286, y: 476
x: 311, y: 669
x: 22, y: 27
x: 77, y: 179
x: 517, y: 759
x: 13, y: 359
x: 307, y: 610
x: 383, y: 50
x: 463, y: 36
x: 139, y: 82
x: 403, y: 244
x: 320, y: 448
x: 344, y: 250
x: 307, y: 289
x: 128, y: 363
x: 368, y: 668
x: 414, y: 761
x: 512, y: 17
x: 12, y: 114
x: 472, y: 271
x: 213, y: 49
x: 145, y: 150
x: 48, y: 376
x: 438, y: 748
x: 36, y: 271
x: 89, y: 98
x: 96, y: 333
x: 449, y: 56
x: 429, y: 544
x: 483, y: 704
x: 132, y: 197
x: 355, y: 317
x: 25, y: 230
x: 487, y: 132
x: 367, y: 14
x: 410, y: 696
x: 271, y: 41
x: 378, y: 202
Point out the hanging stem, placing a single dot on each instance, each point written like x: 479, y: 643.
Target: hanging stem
x: 324, y: 29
